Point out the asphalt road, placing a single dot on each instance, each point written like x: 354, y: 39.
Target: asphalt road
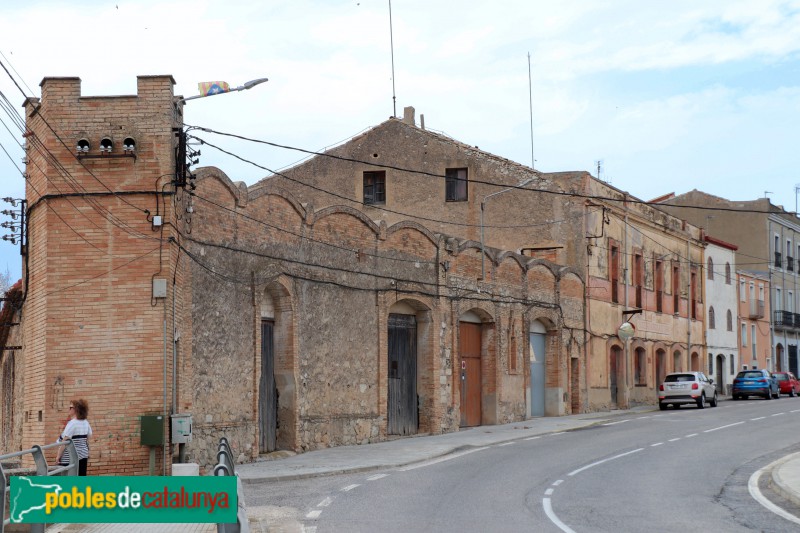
x: 677, y: 470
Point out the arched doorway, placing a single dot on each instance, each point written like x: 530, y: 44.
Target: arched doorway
x: 661, y: 366
x: 615, y: 367
x: 402, y: 406
x: 720, y: 377
x: 277, y: 413
x: 470, y: 347
x: 537, y: 339
x: 695, y: 362
x: 676, y: 361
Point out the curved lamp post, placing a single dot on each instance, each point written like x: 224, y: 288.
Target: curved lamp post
x: 245, y: 86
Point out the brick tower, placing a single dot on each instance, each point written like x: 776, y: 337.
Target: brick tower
x: 101, y: 264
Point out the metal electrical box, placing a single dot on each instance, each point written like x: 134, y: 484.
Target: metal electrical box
x: 181, y: 428
x: 152, y: 430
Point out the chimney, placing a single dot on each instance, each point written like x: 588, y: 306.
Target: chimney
x: 422, y: 121
x: 408, y: 115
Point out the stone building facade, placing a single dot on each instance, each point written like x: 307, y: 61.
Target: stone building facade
x: 398, y: 170
x: 721, y: 313
x: 273, y: 321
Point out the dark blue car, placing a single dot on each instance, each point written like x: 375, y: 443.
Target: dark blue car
x: 755, y: 382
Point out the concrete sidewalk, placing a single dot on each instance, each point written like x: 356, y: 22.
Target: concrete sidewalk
x: 409, y: 450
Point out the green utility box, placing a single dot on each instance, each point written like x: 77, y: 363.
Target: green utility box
x: 152, y: 430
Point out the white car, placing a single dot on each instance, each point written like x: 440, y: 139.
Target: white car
x: 687, y: 387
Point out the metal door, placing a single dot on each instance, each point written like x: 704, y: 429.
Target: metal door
x: 402, y: 411
x: 471, y: 382
x: 537, y: 343
x: 267, y: 392
x: 613, y: 365
x: 793, y: 359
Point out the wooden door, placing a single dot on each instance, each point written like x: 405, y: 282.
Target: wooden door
x: 402, y: 409
x: 471, y: 379
x: 267, y: 391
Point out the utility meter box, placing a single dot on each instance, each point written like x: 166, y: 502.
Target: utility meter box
x: 181, y: 428
x: 152, y: 430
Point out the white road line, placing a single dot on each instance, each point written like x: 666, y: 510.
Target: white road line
x: 673, y: 440
x: 326, y: 502
x: 548, y: 510
x: 615, y: 423
x: 533, y: 438
x: 376, y: 476
x: 778, y: 414
x: 313, y: 515
x: 348, y: 488
x: 505, y: 444
x: 548, y: 492
x: 723, y: 427
x: 557, y: 483
x: 581, y: 469
x: 755, y: 492
x: 554, y: 434
x: 643, y: 417
x: 759, y: 418
x: 441, y: 459
x: 691, y: 435
x: 795, y: 411
x: 657, y: 444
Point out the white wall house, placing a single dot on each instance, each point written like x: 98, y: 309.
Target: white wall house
x: 722, y: 308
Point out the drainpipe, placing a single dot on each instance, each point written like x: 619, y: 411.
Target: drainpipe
x: 626, y: 388
x: 689, y: 308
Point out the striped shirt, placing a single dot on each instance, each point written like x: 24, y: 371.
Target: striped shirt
x: 79, y: 431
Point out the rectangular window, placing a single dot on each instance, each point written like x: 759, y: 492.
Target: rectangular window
x: 614, y: 274
x: 693, y: 295
x: 742, y: 291
x: 375, y: 187
x: 659, y: 287
x: 676, y: 289
x: 456, y: 184
x: 744, y: 334
x: 638, y: 277
x: 753, y: 341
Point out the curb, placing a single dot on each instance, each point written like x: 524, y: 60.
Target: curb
x: 778, y: 483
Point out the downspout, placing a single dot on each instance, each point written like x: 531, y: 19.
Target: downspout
x: 626, y: 391
x: 689, y: 307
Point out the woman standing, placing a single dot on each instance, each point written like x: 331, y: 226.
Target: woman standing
x: 79, y: 431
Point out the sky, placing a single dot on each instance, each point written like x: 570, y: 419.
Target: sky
x: 670, y: 96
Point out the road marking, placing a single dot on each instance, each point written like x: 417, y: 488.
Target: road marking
x: 755, y: 492
x: 533, y: 438
x: 554, y: 434
x: 548, y: 510
x: 313, y: 515
x: 723, y: 427
x: 795, y: 411
x: 548, y: 492
x: 581, y: 469
x: 691, y: 435
x: 505, y: 444
x: 309, y: 529
x: 614, y: 423
x: 657, y: 444
x: 778, y: 414
x: 643, y: 417
x: 348, y: 488
x: 376, y: 476
x: 441, y: 459
x: 559, y: 482
x: 673, y: 440
x: 326, y: 502
x: 759, y: 418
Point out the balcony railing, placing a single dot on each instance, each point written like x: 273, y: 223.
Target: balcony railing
x: 756, y: 309
x: 786, y: 319
x: 778, y: 260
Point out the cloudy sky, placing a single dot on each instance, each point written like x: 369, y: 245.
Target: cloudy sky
x: 669, y: 95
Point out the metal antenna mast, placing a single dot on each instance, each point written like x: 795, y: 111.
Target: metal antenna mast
x: 391, y: 42
x: 530, y: 101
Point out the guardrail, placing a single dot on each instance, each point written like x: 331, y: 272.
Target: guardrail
x: 41, y: 469
x: 226, y: 466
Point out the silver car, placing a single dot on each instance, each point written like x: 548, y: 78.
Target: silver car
x: 687, y: 387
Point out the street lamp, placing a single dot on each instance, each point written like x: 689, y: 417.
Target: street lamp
x: 247, y: 85
x: 483, y: 207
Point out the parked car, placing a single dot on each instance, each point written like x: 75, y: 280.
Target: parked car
x: 755, y: 382
x: 687, y: 387
x: 787, y: 383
